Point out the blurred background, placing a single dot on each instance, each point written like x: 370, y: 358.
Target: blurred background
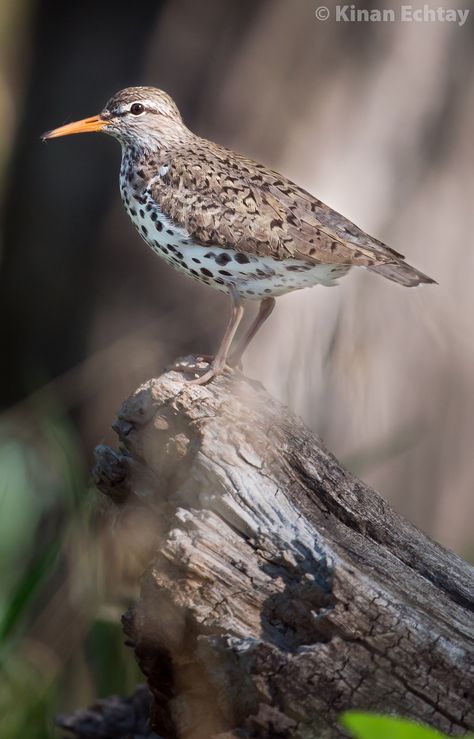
x: 377, y: 120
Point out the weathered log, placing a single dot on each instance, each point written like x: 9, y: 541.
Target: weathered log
x: 280, y: 589
x: 114, y: 717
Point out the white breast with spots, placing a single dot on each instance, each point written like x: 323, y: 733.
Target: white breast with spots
x: 254, y: 277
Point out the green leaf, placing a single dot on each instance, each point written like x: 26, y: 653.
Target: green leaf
x: 372, y: 726
x: 26, y: 589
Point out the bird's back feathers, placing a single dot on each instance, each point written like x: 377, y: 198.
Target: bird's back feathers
x: 224, y: 199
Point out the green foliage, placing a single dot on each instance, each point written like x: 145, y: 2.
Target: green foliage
x: 59, y: 649
x: 364, y: 725
x: 25, y: 590
x: 112, y: 664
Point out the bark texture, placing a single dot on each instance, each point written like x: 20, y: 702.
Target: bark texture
x: 113, y: 718
x: 279, y: 590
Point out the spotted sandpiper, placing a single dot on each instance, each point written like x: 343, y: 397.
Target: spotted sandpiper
x: 226, y: 220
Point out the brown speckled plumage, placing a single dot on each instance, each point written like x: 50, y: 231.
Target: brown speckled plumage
x: 226, y: 220
x: 245, y: 206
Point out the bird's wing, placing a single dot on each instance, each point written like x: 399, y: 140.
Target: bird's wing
x: 223, y: 199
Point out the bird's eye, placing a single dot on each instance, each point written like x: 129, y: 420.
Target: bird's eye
x: 137, y: 109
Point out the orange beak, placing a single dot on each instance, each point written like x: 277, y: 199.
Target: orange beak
x: 87, y: 125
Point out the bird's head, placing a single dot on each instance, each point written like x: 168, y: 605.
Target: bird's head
x: 135, y: 116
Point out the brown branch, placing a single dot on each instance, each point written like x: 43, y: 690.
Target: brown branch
x: 280, y: 590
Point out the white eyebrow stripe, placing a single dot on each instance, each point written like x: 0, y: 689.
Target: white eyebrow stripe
x: 125, y: 107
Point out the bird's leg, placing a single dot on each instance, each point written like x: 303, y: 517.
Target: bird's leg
x: 266, y: 307
x: 220, y: 360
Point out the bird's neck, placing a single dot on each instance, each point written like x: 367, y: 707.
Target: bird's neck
x: 169, y: 136
x: 143, y: 158
x: 158, y: 146
x: 138, y: 163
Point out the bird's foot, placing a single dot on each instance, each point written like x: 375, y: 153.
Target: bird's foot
x: 215, y: 368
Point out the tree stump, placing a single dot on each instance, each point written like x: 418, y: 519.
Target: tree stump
x: 279, y: 590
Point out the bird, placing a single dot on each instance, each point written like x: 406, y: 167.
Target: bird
x: 228, y: 221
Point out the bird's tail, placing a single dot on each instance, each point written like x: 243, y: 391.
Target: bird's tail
x: 401, y: 273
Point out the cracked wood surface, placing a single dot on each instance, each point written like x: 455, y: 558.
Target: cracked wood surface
x: 280, y: 590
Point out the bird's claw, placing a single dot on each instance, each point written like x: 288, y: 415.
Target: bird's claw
x: 214, y: 370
